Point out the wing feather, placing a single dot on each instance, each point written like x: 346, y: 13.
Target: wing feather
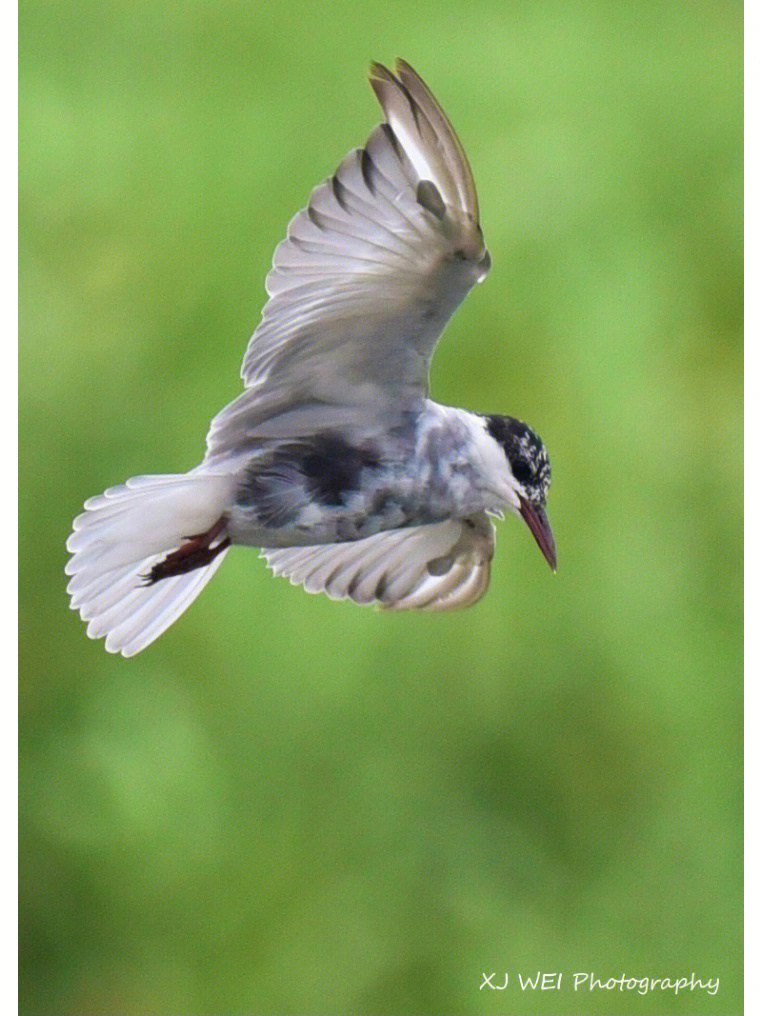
x: 368, y: 275
x: 442, y: 566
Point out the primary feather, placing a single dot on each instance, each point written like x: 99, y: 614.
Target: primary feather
x: 367, y: 277
x: 441, y: 566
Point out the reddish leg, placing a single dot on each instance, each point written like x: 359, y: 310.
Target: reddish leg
x: 196, y: 553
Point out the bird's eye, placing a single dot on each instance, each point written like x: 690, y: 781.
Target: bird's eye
x: 521, y: 471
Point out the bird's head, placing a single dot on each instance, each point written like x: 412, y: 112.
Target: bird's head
x: 528, y: 477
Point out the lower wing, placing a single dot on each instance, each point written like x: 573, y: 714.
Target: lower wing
x: 442, y: 566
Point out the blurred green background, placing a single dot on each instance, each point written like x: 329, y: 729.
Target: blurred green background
x: 289, y: 805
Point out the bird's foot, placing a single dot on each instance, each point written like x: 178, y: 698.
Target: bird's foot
x: 198, y: 551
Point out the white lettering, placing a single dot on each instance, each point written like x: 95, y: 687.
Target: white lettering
x: 529, y: 983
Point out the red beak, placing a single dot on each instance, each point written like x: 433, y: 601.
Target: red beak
x: 537, y: 520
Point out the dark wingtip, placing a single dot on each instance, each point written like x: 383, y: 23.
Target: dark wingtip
x: 378, y: 73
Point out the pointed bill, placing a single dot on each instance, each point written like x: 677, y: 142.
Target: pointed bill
x: 535, y: 517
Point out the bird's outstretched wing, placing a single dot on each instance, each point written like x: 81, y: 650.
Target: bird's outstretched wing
x: 435, y: 567
x: 367, y: 278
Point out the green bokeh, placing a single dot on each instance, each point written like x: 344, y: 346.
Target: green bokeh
x: 289, y: 805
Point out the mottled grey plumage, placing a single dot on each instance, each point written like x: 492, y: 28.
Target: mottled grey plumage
x: 324, y: 488
x: 334, y: 460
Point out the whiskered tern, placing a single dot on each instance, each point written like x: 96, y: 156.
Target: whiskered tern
x: 334, y: 461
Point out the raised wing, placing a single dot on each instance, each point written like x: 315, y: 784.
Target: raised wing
x: 436, y: 567
x: 367, y: 278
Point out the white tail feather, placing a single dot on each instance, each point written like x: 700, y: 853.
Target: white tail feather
x: 121, y: 535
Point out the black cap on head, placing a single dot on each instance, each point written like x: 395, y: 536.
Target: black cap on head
x: 530, y: 467
x: 525, y: 453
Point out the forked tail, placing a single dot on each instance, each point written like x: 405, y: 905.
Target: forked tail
x: 142, y: 552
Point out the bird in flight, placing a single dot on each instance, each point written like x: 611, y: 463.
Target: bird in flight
x: 333, y: 461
